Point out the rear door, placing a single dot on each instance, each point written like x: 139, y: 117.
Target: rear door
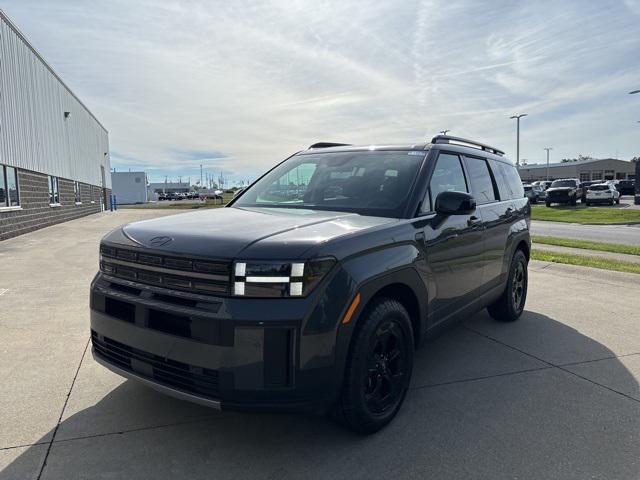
x: 454, y: 244
x: 496, y: 214
x: 511, y: 219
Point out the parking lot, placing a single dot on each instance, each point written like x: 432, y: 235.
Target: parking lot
x: 554, y: 395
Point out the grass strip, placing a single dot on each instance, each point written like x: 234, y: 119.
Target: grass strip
x: 586, y: 261
x: 587, y: 244
x: 580, y: 214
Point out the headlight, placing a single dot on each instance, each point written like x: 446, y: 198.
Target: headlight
x: 279, y: 279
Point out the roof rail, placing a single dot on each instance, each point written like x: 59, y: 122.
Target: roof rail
x: 464, y: 141
x: 328, y: 144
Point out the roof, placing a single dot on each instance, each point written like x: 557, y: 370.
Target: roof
x: 22, y: 37
x: 570, y: 164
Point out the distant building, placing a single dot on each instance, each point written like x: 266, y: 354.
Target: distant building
x: 129, y: 187
x: 156, y: 189
x: 584, y: 170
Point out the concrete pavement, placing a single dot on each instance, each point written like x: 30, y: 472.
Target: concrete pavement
x: 554, y: 395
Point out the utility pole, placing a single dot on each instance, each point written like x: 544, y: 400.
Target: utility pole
x: 518, y: 117
x: 200, y: 175
x: 547, y: 149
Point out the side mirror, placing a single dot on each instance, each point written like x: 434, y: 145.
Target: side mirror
x: 455, y: 203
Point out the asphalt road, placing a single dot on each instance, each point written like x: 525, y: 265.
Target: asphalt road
x: 553, y: 395
x: 628, y: 234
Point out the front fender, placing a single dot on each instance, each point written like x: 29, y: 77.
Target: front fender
x: 368, y: 274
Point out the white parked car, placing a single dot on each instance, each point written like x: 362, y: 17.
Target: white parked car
x: 602, y: 193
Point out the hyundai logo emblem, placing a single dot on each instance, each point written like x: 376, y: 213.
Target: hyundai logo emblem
x: 160, y: 241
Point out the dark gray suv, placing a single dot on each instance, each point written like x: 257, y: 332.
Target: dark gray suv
x: 312, y: 289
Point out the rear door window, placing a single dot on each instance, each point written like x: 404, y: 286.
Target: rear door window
x: 507, y: 179
x: 482, y: 187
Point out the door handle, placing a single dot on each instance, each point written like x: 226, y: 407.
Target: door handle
x: 473, y: 221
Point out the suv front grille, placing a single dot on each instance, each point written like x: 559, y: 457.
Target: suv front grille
x: 182, y: 376
x: 193, y: 275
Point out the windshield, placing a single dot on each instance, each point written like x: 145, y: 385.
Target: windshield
x: 599, y: 187
x: 563, y: 183
x: 371, y: 182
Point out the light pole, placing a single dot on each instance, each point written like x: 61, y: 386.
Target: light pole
x: 444, y: 132
x: 518, y: 117
x: 547, y: 149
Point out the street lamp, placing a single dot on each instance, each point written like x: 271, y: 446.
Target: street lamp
x: 518, y: 117
x: 444, y: 132
x: 547, y: 149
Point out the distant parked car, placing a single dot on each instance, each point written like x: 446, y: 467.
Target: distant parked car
x: 602, y: 193
x: 567, y: 191
x: 626, y: 187
x: 532, y: 192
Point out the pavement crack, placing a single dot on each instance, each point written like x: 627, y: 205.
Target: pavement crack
x: 559, y: 367
x: 465, y: 380
x: 64, y: 407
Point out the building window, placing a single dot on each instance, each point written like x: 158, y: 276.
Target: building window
x: 597, y: 175
x: 9, y: 194
x: 585, y: 176
x: 76, y: 193
x: 608, y: 174
x: 54, y: 193
x: 621, y: 175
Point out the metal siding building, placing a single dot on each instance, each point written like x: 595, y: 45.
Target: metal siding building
x: 586, y: 170
x: 45, y: 130
x: 129, y: 187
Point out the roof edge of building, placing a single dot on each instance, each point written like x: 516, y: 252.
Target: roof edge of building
x: 26, y: 41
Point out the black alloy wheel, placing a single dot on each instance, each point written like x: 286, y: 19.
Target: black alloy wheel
x: 510, y: 305
x: 518, y: 286
x: 378, y: 369
x: 386, y: 372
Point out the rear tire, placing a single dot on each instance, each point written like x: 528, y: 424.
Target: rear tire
x: 618, y: 201
x: 510, y: 305
x: 548, y: 204
x: 573, y: 202
x: 611, y: 202
x: 378, y: 368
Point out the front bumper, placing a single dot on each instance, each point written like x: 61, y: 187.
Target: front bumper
x: 600, y: 199
x: 223, y: 352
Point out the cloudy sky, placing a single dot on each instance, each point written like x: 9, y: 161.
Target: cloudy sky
x: 237, y: 86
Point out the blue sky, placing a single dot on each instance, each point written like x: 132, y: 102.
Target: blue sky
x: 238, y: 86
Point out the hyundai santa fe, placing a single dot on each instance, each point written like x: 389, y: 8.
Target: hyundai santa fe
x: 313, y: 287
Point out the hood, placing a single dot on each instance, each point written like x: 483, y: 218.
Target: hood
x: 252, y: 233
x: 560, y: 189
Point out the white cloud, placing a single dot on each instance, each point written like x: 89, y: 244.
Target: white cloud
x: 257, y: 82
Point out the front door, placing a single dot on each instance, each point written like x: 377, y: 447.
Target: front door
x: 454, y: 244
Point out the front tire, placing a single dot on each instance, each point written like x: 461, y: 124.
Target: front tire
x: 510, y: 305
x: 548, y: 204
x: 378, y: 368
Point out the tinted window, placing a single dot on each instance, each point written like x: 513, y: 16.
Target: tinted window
x: 563, y: 183
x: 507, y: 179
x: 448, y: 176
x: 480, y: 180
x: 598, y: 187
x: 3, y: 188
x: 369, y: 182
x: 12, y: 187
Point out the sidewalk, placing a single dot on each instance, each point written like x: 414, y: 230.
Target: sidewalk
x: 587, y: 253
